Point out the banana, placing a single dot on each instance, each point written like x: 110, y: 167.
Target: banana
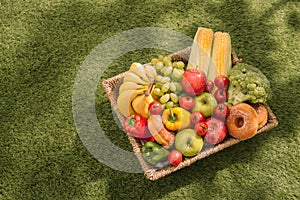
x: 136, y: 91
x: 159, y: 132
x: 132, y: 77
x: 130, y: 86
x: 151, y: 71
x: 141, y: 105
x: 124, y: 101
x: 139, y: 70
x: 134, y: 65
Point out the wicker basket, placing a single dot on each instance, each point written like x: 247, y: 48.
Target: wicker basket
x: 153, y: 173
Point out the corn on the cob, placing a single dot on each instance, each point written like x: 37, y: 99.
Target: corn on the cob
x: 205, y: 39
x: 221, y: 55
x: 201, y: 50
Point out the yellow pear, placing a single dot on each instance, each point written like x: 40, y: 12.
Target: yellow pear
x: 141, y: 104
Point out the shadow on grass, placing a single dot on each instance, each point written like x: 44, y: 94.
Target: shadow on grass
x: 202, y: 173
x: 294, y: 20
x: 39, y: 120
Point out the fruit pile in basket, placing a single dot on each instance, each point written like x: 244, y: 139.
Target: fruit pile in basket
x: 175, y: 108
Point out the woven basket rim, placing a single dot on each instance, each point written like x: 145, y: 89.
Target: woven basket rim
x: 151, y: 172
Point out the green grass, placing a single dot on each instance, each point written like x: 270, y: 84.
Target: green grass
x: 43, y: 44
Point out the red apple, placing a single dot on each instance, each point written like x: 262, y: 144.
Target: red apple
x: 155, y: 108
x: 221, y: 111
x: 175, y: 157
x: 186, y: 102
x: 221, y: 95
x: 221, y: 81
x: 193, y: 82
x: 201, y: 128
x: 216, y: 132
x: 209, y: 86
x: 196, y: 117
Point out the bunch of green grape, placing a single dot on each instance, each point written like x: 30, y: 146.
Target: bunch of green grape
x: 167, y: 85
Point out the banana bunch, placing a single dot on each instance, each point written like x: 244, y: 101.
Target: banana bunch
x: 135, y: 93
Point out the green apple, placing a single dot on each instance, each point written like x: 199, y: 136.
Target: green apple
x: 205, y: 103
x: 188, y: 142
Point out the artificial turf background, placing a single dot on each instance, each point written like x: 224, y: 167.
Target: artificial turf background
x: 43, y: 44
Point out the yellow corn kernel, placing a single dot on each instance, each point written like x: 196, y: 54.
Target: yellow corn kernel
x: 200, y: 56
x: 221, y: 55
x: 205, y: 40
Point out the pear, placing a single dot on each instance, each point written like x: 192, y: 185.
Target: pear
x: 141, y: 104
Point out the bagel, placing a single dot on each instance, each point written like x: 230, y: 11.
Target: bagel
x: 242, y: 121
x: 262, y: 114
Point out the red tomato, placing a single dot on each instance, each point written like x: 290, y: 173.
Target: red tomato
x: 221, y: 95
x: 186, y: 102
x: 175, y: 157
x: 196, y: 117
x: 221, y: 81
x: 209, y: 86
x: 221, y: 111
x: 201, y: 128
